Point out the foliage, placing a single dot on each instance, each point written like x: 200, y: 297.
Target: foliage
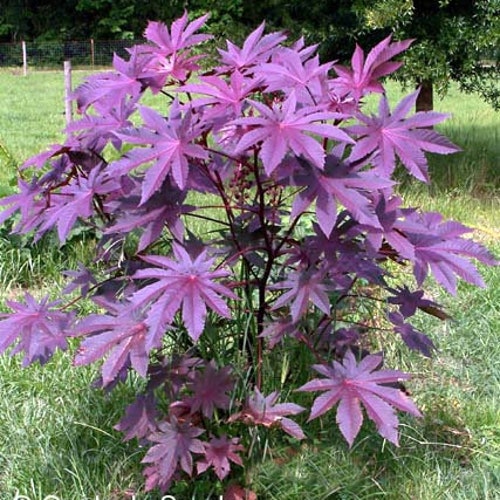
x: 455, y: 40
x: 51, y: 20
x: 199, y: 315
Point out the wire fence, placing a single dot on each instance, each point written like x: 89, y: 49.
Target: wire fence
x: 49, y: 55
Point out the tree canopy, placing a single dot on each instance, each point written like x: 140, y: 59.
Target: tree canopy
x: 106, y: 19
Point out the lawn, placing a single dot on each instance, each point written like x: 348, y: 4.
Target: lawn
x: 56, y: 435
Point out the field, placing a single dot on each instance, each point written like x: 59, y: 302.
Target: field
x: 56, y: 434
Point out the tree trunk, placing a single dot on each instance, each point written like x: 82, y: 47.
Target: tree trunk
x: 425, y: 99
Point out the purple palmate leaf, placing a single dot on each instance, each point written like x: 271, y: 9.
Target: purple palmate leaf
x: 256, y: 48
x: 387, y: 211
x: 409, y: 301
x: 288, y: 72
x: 210, y: 388
x: 27, y: 202
x: 218, y: 453
x: 182, y: 34
x: 263, y: 410
x: 391, y: 134
x: 338, y: 183
x: 175, y: 443
x: 140, y: 418
x: 351, y: 384
x: 414, y: 339
x: 94, y: 131
x: 76, y: 201
x: 225, y: 99
x: 171, y: 144
x: 440, y: 248
x: 172, y: 373
x: 119, y: 336
x: 169, y: 57
x: 363, y: 77
x: 186, y: 281
x: 285, y: 127
x: 163, y: 208
x: 39, y: 328
x: 105, y: 91
x: 303, y: 287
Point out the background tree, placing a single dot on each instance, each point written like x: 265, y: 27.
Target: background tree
x: 80, y: 19
x: 110, y: 19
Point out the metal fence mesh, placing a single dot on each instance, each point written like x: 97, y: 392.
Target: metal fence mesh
x: 11, y: 54
x: 41, y: 55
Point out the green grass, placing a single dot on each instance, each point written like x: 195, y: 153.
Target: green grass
x: 31, y: 114
x: 31, y: 118
x: 56, y: 433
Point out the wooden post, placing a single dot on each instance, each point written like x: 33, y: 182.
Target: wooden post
x: 68, y: 108
x: 425, y: 99
x: 25, y: 58
x: 92, y: 53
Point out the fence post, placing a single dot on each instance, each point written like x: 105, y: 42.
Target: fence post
x: 92, y: 53
x: 68, y: 107
x: 25, y: 58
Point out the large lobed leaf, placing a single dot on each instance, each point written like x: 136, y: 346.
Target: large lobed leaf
x: 353, y: 384
x: 186, y: 282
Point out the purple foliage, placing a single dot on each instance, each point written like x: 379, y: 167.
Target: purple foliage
x: 351, y: 384
x: 140, y: 417
x: 282, y: 128
x: 187, y: 281
x: 409, y: 302
x: 210, y: 389
x: 120, y: 336
x: 363, y: 76
x: 169, y: 147
x: 292, y: 183
x: 175, y: 443
x: 387, y: 135
x: 412, y: 337
x: 36, y: 328
x: 218, y: 452
x: 263, y: 410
